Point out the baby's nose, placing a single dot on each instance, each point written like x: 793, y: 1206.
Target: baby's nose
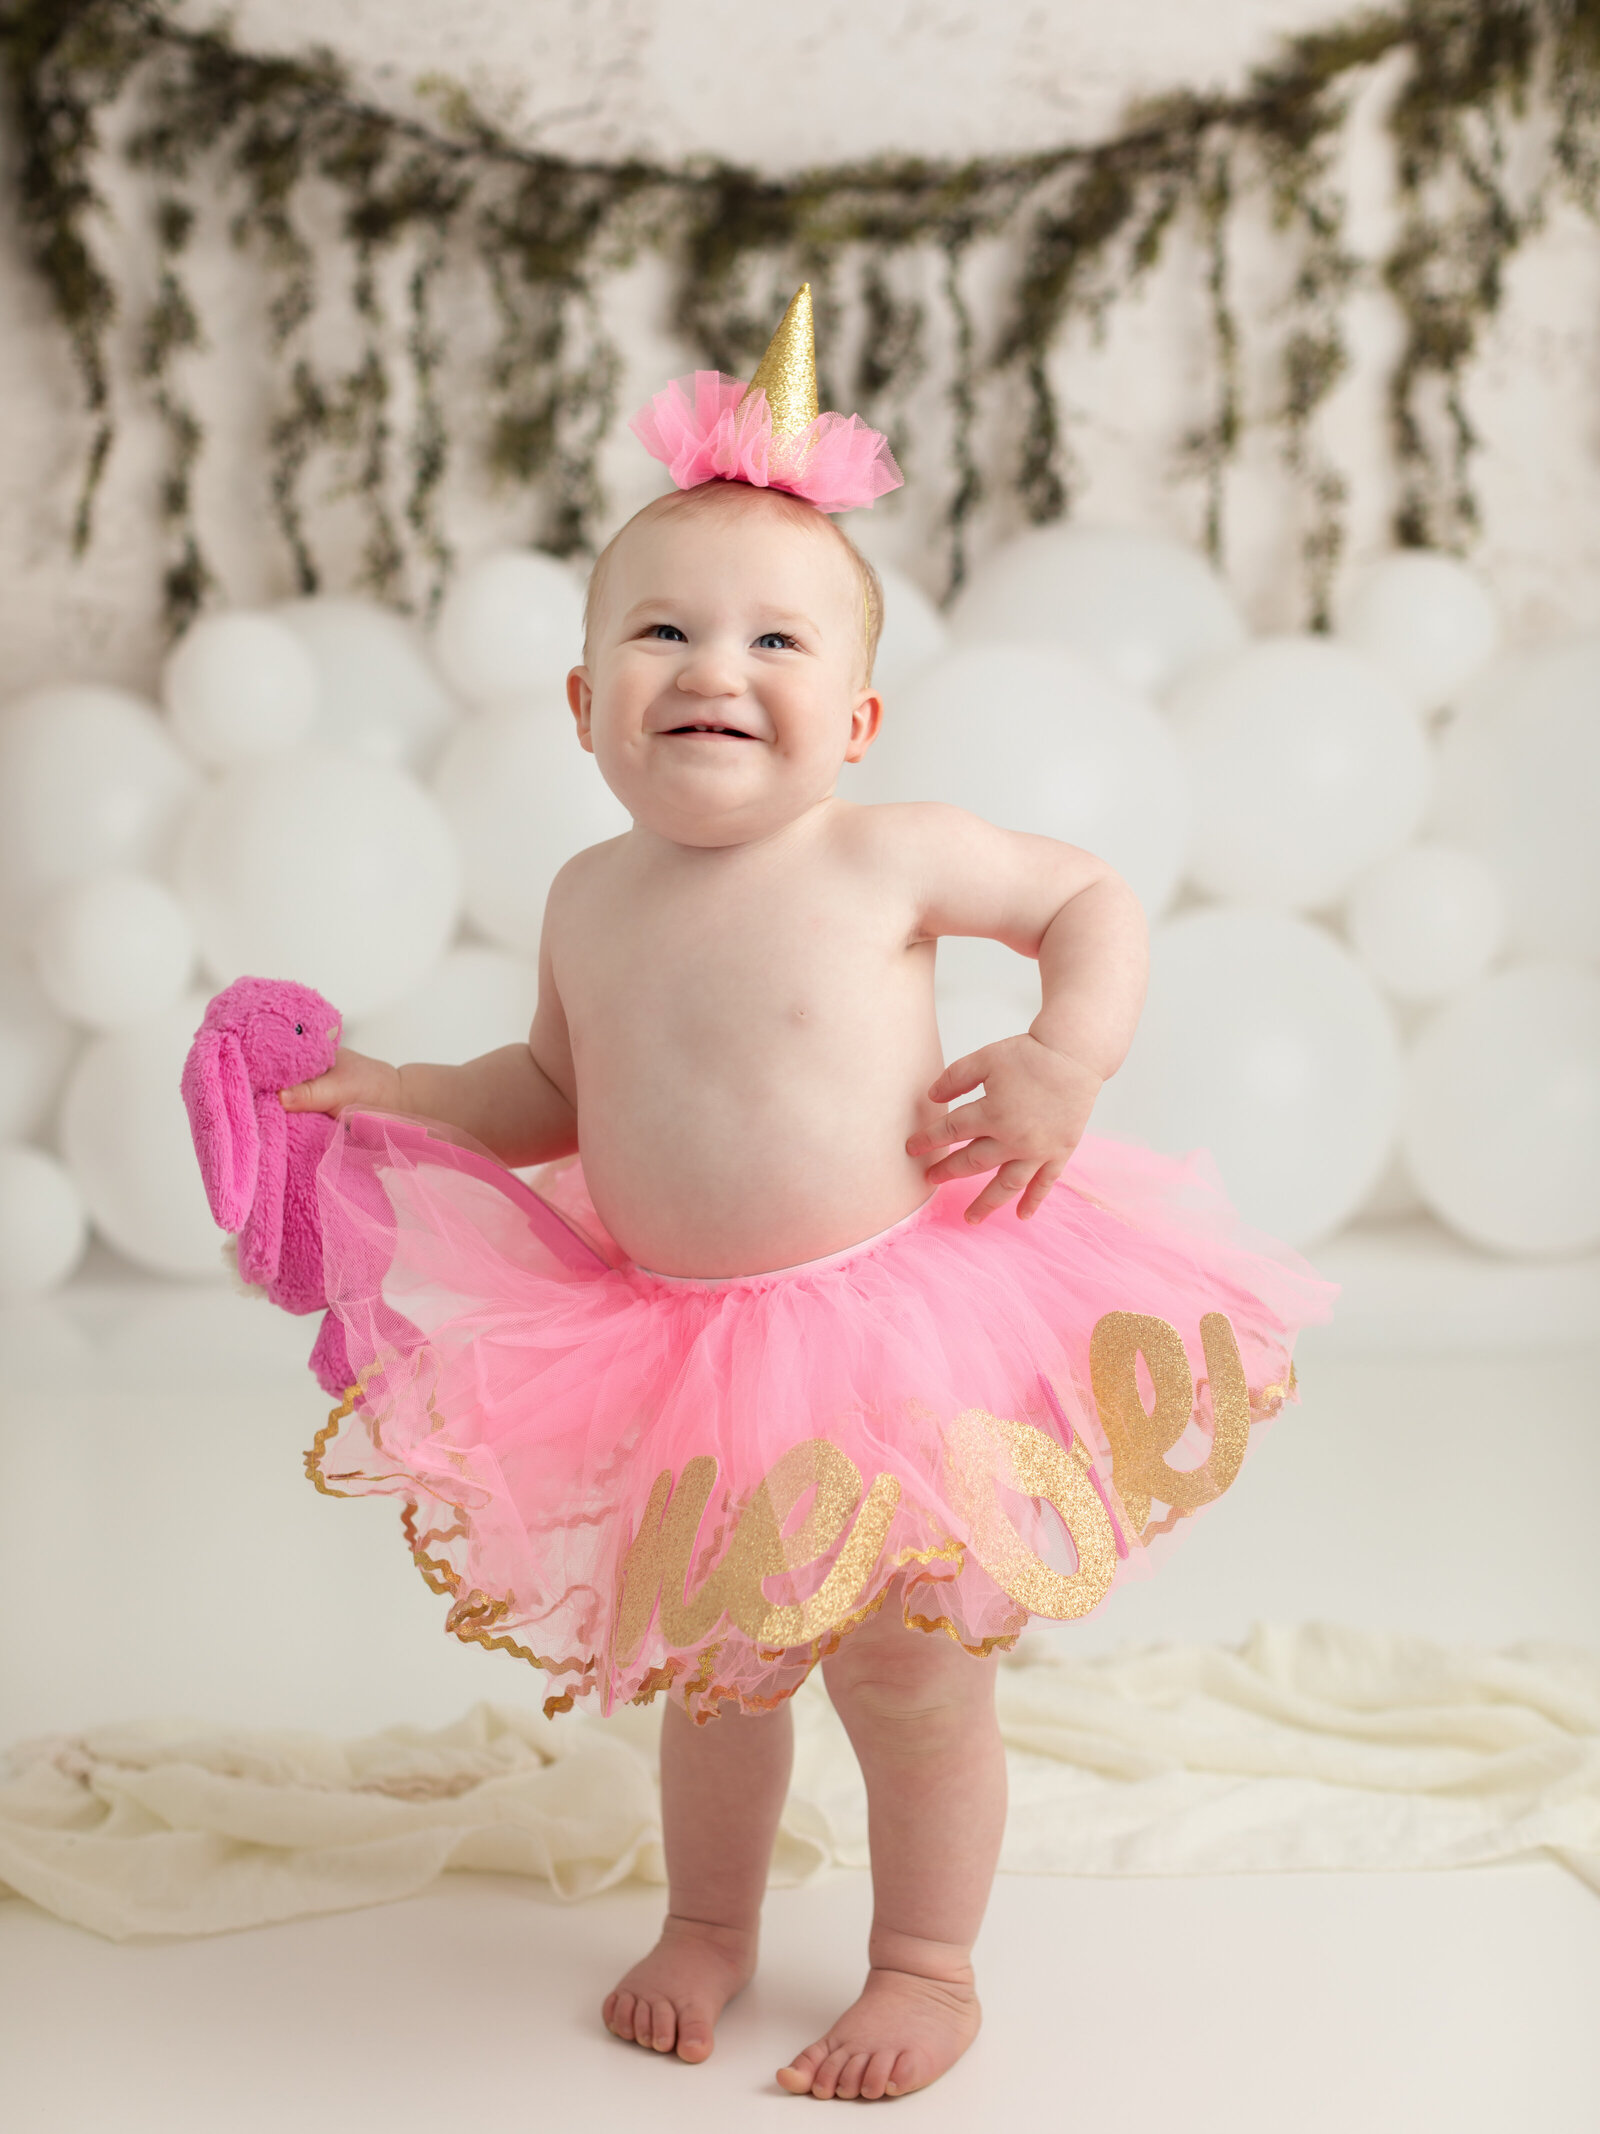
x: 711, y: 673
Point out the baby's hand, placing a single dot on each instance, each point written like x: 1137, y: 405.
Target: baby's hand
x: 373, y: 1085
x: 1035, y: 1106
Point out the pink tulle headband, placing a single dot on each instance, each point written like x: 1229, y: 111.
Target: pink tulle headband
x: 710, y: 427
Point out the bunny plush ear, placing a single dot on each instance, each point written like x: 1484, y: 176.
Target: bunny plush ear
x: 222, y: 1119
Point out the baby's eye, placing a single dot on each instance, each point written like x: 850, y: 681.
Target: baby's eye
x: 773, y: 641
x: 668, y: 631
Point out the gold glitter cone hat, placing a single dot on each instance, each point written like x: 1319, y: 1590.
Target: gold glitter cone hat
x: 768, y: 432
x: 787, y: 373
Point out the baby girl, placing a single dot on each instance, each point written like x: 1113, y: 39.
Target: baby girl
x: 794, y: 1306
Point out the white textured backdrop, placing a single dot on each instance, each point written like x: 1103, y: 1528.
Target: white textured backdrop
x: 781, y: 87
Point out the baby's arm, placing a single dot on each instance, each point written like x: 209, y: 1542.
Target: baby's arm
x: 1087, y: 929
x: 515, y: 1100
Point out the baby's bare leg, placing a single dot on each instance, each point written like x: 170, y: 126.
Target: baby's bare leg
x: 920, y: 1715
x: 722, y: 1792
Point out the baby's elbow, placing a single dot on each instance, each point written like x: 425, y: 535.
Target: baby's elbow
x: 1131, y: 905
x: 1111, y: 893
x: 1131, y: 920
x: 1108, y: 907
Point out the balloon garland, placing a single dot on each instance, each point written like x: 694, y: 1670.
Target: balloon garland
x: 1374, y: 922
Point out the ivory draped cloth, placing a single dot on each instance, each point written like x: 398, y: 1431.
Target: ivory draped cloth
x: 1303, y: 1749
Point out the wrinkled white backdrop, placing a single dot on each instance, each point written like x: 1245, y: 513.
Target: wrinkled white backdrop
x: 941, y: 77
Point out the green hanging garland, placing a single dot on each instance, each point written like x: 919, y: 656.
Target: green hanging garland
x: 199, y: 119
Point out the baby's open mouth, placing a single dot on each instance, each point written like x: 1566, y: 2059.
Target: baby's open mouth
x: 733, y: 732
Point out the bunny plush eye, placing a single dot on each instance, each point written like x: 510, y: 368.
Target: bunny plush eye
x: 299, y: 1029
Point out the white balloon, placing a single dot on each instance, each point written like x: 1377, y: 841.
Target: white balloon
x: 1519, y: 768
x: 89, y: 778
x: 239, y: 685
x: 1145, y: 607
x: 510, y: 625
x: 125, y: 1136
x: 1393, y: 1198
x: 43, y: 1227
x: 1265, y: 1042
x: 472, y: 1002
x: 1502, y: 1111
x: 325, y: 868
x: 1424, y: 618
x: 522, y: 798
x: 36, y: 1047
x: 1036, y: 737
x: 1427, y: 921
x: 914, y: 632
x: 113, y: 949
x: 377, y: 691
x: 1307, y: 766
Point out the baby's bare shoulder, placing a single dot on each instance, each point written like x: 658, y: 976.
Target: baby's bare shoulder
x: 591, y: 869
x: 911, y: 833
x: 586, y: 883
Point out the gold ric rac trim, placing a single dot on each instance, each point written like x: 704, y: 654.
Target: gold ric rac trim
x: 319, y: 1444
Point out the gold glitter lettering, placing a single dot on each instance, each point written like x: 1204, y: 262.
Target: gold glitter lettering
x: 1141, y: 1437
x: 656, y: 1568
x: 838, y: 1487
x: 982, y: 1452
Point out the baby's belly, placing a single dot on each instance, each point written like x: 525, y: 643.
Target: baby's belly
x: 720, y: 1179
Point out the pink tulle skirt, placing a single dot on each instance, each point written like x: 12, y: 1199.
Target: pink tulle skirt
x: 641, y: 1482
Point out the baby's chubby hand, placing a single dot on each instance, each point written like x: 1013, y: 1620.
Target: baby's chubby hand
x: 371, y: 1085
x: 1024, y: 1128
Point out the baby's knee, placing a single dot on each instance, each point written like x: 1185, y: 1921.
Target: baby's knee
x: 909, y: 1681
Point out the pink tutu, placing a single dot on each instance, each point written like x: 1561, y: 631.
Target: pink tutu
x: 640, y: 1482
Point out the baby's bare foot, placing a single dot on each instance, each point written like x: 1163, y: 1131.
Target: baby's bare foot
x: 671, y: 2000
x: 901, y: 2035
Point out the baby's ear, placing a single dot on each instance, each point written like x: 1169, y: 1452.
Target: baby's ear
x: 580, y: 695
x: 865, y: 720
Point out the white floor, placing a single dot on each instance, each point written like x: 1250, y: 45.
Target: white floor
x: 1304, y: 2005
x: 165, y: 1555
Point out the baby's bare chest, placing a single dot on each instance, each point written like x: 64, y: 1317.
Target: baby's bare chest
x: 739, y: 964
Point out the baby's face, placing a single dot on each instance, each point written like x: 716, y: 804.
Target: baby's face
x: 723, y: 687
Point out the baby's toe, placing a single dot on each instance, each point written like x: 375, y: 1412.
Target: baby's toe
x: 907, y: 2074
x: 850, y: 2075
x: 618, y: 2012
x: 825, y: 2082
x: 662, y: 2031
x: 799, y: 2075
x: 878, y: 2073
x: 694, y: 2037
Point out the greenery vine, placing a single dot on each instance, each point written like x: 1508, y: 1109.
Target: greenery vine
x: 311, y: 174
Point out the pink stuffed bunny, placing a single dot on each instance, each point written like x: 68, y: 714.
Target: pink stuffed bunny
x: 258, y: 1161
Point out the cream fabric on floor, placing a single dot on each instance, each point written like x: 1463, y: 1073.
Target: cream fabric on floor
x: 1309, y: 1748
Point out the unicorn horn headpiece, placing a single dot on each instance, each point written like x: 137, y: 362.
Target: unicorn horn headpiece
x: 710, y: 428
